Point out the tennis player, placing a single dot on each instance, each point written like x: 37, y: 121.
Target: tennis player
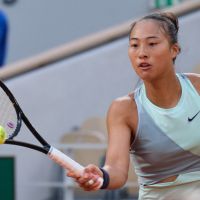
x: 159, y: 122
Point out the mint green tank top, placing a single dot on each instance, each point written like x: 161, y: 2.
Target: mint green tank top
x: 167, y: 141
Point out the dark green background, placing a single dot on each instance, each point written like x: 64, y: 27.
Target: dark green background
x: 7, y: 180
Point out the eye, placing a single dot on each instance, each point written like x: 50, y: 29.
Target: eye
x: 152, y: 44
x: 134, y: 45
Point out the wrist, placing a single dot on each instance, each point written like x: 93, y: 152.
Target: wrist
x: 106, y: 178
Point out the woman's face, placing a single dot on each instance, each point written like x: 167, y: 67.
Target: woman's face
x: 150, y: 51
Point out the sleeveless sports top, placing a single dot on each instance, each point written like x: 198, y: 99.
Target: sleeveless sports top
x: 167, y: 141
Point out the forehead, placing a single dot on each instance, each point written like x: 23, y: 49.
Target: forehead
x: 147, y: 28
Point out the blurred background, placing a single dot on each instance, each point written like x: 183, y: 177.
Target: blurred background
x: 65, y: 61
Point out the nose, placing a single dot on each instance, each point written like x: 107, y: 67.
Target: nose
x: 142, y: 53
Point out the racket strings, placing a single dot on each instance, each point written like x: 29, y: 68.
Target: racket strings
x: 8, y: 115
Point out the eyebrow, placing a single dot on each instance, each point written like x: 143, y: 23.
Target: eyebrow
x: 150, y: 37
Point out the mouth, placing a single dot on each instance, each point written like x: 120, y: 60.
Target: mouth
x: 144, y: 66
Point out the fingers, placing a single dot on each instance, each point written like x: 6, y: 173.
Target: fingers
x: 72, y: 174
x: 89, y: 183
x: 89, y: 180
x: 93, y: 169
x: 95, y: 173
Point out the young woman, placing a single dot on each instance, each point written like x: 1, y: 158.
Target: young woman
x: 159, y: 121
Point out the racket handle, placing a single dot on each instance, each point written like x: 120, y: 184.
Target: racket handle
x: 69, y: 164
x: 65, y: 161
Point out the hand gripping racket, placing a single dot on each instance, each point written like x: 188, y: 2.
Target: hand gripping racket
x: 11, y: 118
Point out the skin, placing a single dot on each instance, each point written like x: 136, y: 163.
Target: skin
x: 149, y: 44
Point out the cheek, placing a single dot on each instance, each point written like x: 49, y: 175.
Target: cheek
x: 162, y: 61
x: 132, y: 58
x: 131, y: 55
x: 133, y: 63
x: 162, y: 55
x: 163, y: 51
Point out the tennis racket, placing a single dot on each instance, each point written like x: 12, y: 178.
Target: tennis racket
x: 11, y: 119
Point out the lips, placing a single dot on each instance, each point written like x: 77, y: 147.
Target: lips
x: 144, y: 65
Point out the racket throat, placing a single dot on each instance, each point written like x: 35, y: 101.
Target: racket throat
x: 47, y: 148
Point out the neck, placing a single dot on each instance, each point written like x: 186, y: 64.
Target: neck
x: 164, y: 92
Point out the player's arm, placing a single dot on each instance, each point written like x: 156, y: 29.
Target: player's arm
x: 117, y: 155
x: 119, y: 135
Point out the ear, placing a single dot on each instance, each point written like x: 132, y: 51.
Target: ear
x: 175, y: 50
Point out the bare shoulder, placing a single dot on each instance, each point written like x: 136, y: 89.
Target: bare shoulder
x: 123, y: 110
x: 195, y: 80
x: 123, y: 105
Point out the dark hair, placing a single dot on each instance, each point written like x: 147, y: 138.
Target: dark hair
x: 168, y: 21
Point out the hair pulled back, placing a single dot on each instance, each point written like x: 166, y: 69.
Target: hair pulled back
x: 168, y: 22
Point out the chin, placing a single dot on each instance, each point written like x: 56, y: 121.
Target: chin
x: 147, y: 76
